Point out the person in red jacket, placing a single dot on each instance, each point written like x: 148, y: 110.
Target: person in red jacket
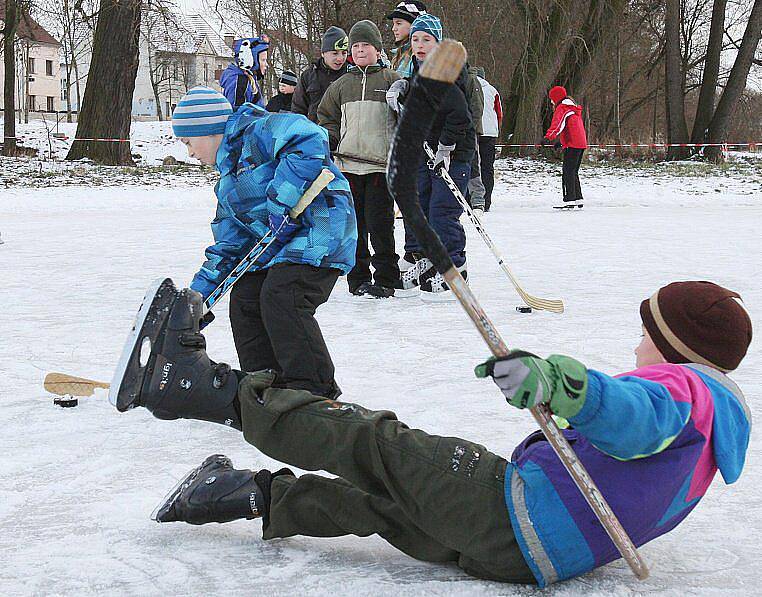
x: 567, y: 126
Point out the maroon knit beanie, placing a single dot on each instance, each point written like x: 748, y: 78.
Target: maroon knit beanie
x: 557, y: 94
x: 698, y: 322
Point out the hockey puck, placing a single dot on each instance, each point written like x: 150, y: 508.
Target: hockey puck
x: 524, y: 309
x: 65, y: 401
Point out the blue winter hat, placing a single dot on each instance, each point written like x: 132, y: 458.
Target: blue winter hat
x: 201, y: 112
x: 428, y: 24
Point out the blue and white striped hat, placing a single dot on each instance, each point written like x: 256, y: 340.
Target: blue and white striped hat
x: 201, y: 112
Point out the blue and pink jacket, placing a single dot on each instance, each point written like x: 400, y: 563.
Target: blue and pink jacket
x: 651, y: 439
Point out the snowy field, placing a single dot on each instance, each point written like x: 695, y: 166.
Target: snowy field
x: 77, y: 485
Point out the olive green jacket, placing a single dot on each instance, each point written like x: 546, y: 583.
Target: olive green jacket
x: 358, y: 120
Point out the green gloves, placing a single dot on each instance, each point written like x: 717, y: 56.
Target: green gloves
x: 527, y: 380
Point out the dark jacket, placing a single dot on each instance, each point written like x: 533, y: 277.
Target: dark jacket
x: 313, y: 82
x: 453, y: 124
x: 280, y: 102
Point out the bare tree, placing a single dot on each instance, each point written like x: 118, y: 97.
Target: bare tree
x: 16, y: 11
x: 103, y: 129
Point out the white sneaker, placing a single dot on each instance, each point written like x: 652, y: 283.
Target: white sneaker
x: 434, y: 289
x: 410, y: 274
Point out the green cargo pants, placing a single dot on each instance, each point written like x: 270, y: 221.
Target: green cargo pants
x: 438, y: 499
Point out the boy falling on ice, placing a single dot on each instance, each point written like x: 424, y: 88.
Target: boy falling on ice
x: 652, y: 440
x: 266, y: 162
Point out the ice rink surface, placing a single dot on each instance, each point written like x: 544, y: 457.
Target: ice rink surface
x: 77, y: 485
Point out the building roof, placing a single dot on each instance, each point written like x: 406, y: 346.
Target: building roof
x: 30, y: 29
x: 200, y: 29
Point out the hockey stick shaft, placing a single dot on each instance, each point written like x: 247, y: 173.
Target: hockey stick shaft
x: 553, y: 305
x: 322, y: 181
x: 433, y: 82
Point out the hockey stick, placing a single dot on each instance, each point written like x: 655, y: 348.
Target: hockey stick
x: 323, y: 180
x: 61, y: 383
x: 437, y: 74
x: 554, y: 305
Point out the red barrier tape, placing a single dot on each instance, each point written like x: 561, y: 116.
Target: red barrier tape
x: 752, y: 146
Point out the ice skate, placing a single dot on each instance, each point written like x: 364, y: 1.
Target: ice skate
x: 434, y: 289
x: 213, y: 492
x: 164, y: 366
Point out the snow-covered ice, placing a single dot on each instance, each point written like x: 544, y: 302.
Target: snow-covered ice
x: 77, y: 485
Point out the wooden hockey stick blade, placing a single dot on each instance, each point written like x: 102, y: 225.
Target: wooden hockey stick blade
x: 421, y: 106
x: 62, y: 384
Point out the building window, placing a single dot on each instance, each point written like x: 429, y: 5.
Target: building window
x: 206, y: 73
x: 63, y: 89
x: 49, y: 68
x: 31, y: 66
x: 32, y: 103
x: 51, y: 104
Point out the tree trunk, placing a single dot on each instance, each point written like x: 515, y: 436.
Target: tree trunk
x: 677, y: 129
x: 718, y: 127
x: 711, y: 73
x: 107, y: 105
x: 549, y: 38
x: 9, y: 84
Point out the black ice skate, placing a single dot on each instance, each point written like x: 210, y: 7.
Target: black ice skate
x: 213, y: 492
x: 164, y: 366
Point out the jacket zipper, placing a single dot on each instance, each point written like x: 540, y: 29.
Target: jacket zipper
x: 364, y: 80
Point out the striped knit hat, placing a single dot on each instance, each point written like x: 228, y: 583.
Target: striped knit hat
x: 698, y: 322
x: 428, y: 24
x: 201, y: 112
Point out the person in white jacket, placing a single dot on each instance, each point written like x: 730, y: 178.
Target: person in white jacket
x: 492, y: 118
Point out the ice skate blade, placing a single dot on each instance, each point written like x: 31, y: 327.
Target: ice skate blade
x: 445, y: 296
x: 569, y: 206
x: 407, y: 293
x: 131, y: 352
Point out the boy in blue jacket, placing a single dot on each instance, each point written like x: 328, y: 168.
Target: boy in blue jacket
x: 266, y: 162
x: 241, y: 81
x: 652, y: 439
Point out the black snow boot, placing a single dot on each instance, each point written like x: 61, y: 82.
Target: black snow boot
x: 176, y: 379
x: 216, y: 492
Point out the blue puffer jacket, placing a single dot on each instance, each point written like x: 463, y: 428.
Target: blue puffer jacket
x: 266, y: 163
x: 231, y: 78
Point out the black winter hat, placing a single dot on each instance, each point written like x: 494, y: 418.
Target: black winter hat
x: 288, y: 77
x: 334, y: 39
x: 407, y: 10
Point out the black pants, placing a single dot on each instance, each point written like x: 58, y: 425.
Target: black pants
x: 487, y: 156
x: 375, y: 218
x: 272, y: 313
x: 570, y: 176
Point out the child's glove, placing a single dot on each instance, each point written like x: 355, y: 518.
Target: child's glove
x: 395, y: 95
x: 442, y: 157
x: 527, y: 380
x: 283, y: 227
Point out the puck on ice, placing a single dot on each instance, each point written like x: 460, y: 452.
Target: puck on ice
x: 65, y: 401
x: 524, y: 309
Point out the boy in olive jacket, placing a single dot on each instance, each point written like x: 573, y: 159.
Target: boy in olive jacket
x: 360, y: 128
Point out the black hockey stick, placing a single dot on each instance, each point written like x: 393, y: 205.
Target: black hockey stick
x: 553, y: 305
x: 434, y: 80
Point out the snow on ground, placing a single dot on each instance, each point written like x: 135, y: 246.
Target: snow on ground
x: 78, y: 485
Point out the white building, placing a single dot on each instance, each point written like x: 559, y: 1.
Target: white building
x: 37, y: 66
x: 174, y: 57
